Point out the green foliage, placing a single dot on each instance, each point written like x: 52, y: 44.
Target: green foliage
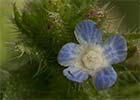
x: 45, y: 26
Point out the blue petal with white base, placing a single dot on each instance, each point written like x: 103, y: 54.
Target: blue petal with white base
x: 68, y: 54
x: 104, y: 78
x: 86, y: 32
x: 75, y: 74
x: 115, y: 49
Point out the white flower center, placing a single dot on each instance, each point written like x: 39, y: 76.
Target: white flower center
x: 91, y: 59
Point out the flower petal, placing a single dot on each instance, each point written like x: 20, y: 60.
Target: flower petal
x: 115, y: 49
x: 86, y: 32
x: 75, y: 74
x: 68, y: 54
x: 104, y: 78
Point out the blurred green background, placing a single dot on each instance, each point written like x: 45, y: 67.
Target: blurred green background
x: 128, y: 8
x: 6, y: 27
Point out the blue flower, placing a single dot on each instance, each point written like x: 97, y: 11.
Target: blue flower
x: 92, y: 57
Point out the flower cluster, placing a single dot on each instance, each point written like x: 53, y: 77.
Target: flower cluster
x: 92, y: 57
